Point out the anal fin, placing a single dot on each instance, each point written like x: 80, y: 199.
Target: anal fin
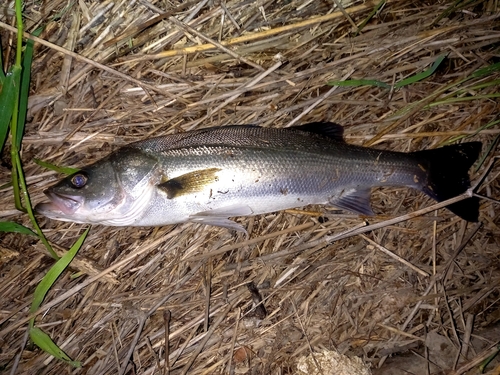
x: 355, y: 200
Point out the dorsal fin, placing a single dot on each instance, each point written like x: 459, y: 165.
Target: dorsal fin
x: 326, y: 129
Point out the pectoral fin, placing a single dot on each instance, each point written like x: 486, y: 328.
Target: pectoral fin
x: 355, y: 200
x: 189, y: 183
x: 219, y: 217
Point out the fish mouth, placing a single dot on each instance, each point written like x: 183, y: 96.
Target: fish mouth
x: 65, y: 204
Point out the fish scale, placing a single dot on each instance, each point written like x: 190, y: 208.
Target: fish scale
x: 209, y: 175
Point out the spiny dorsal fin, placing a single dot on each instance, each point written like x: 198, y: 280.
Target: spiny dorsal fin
x: 326, y: 129
x: 189, y: 183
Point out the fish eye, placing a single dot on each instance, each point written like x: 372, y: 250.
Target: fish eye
x: 79, y: 180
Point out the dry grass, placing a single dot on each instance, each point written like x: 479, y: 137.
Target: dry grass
x: 191, y: 281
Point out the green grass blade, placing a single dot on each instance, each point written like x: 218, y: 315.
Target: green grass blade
x: 13, y: 108
x: 495, y: 82
x: 420, y: 76
x: 55, y: 271
x: 488, y: 360
x: 370, y: 16
x: 476, y: 74
x: 491, y: 148
x: 463, y: 99
x: 485, y: 71
x: 9, y: 226
x: 8, y: 99
x: 64, y: 170
x: 359, y: 82
x: 453, y: 7
x: 491, y: 124
x: 25, y: 86
x: 488, y: 70
x: 18, y: 168
x: 407, y: 81
x: 43, y: 341
x: 40, y: 338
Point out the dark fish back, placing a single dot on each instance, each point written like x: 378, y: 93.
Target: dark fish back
x: 238, y: 136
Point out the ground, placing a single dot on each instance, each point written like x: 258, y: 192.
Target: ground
x: 303, y: 282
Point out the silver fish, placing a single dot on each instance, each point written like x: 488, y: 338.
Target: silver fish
x: 209, y: 175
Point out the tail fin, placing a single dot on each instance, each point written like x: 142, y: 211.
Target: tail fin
x: 447, y: 176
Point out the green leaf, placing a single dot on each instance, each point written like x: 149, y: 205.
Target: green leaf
x: 8, y: 98
x: 359, y: 82
x: 55, y: 271
x: 9, y: 226
x: 25, y: 87
x: 420, y: 76
x: 44, y: 342
x: 485, y: 71
x: 64, y: 170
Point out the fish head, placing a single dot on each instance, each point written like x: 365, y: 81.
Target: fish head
x: 113, y: 191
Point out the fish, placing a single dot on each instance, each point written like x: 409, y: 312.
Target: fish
x: 211, y: 175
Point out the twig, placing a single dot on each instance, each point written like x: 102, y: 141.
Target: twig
x: 205, y: 339
x: 258, y: 35
x: 86, y: 60
x: 319, y: 100
x: 87, y: 282
x: 191, y: 30
x: 438, y: 277
x: 135, y: 30
x: 13, y: 370
x: 153, y: 353
x: 346, y: 15
x: 166, y: 319
x: 304, y: 332
x: 395, y: 256
x: 233, y: 340
x: 468, y: 334
x: 230, y: 16
x: 208, y: 293
x: 252, y: 241
x: 245, y: 87
x: 143, y: 318
x: 477, y: 360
